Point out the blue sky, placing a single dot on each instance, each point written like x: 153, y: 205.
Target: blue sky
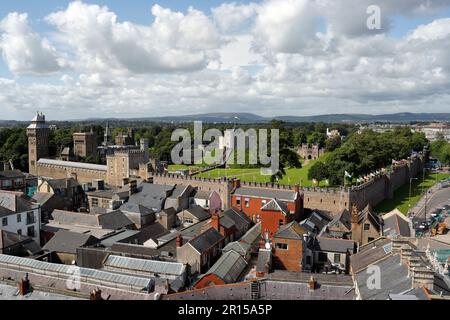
x: 265, y: 57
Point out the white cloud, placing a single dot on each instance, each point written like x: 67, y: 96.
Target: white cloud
x: 174, y: 42
x: 24, y: 51
x: 267, y: 58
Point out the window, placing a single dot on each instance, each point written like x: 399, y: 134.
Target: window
x: 370, y: 239
x: 258, y: 218
x: 337, y: 258
x: 19, y: 232
x: 30, y: 217
x: 188, y: 221
x: 19, y: 218
x: 31, y: 232
x: 280, y: 222
x: 238, y: 201
x: 282, y: 246
x: 366, y: 226
x: 247, y: 202
x: 94, y: 202
x: 308, y: 260
x: 5, y: 221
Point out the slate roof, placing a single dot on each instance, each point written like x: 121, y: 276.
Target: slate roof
x: 110, y: 220
x: 315, y: 222
x: 291, y: 230
x: 229, y: 267
x: 276, y: 205
x: 11, y: 174
x: 344, y: 217
x: 10, y: 239
x: 284, y: 195
x: 394, y: 279
x: 370, y: 255
x: 264, y: 258
x: 372, y: 216
x: 67, y: 242
x: 395, y: 225
x: 334, y: 245
x: 14, y: 202
x: 149, y: 198
x: 241, y: 220
x: 42, y: 197
x: 198, y: 212
x: 202, y: 194
x: 152, y: 231
x: 206, y: 240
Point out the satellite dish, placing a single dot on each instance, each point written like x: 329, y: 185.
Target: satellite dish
x: 267, y: 245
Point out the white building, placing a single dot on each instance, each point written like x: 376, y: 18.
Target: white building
x: 18, y: 214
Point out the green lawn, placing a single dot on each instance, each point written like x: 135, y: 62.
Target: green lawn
x: 401, y: 199
x: 293, y: 175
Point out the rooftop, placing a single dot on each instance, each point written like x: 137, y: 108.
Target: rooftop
x: 285, y: 195
x: 70, y: 164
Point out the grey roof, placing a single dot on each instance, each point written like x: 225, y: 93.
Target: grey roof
x: 132, y: 265
x: 10, y: 240
x: 264, y: 260
x: 226, y: 222
x: 344, y: 217
x: 276, y: 205
x: 9, y: 292
x: 67, y: 242
x: 149, y: 196
x: 252, y: 235
x: 109, y: 220
x: 14, y: 202
x: 240, y: 247
x: 370, y: 255
x: 86, y: 275
x: 291, y: 230
x: 152, y: 231
x: 203, y: 194
x: 334, y: 245
x: 123, y: 235
x: 70, y: 164
x: 11, y: 174
x: 368, y: 214
x: 181, y: 190
x: 62, y: 183
x: 394, y: 279
x: 229, y: 267
x: 206, y: 240
x: 285, y: 195
x: 315, y: 222
x: 396, y: 226
x: 241, y: 220
x: 42, y: 197
x: 198, y: 212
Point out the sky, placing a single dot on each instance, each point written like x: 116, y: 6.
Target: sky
x: 138, y: 58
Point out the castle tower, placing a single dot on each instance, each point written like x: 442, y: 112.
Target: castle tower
x: 38, y: 134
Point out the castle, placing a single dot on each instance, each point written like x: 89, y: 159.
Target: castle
x: 307, y: 152
x: 120, y: 166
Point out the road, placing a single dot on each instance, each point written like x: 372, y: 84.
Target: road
x: 435, y: 200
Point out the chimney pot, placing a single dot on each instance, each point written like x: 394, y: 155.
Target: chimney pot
x: 312, y: 284
x: 179, y: 241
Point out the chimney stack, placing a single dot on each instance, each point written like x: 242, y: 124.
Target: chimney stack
x: 179, y: 241
x: 236, y: 183
x: 297, y: 188
x: 355, y: 215
x: 133, y: 187
x: 312, y: 284
x: 24, y: 285
x: 215, y: 221
x: 96, y: 294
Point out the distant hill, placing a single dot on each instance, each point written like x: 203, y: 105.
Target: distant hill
x: 237, y: 117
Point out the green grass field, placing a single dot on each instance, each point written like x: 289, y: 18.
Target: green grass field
x: 401, y: 199
x: 293, y: 175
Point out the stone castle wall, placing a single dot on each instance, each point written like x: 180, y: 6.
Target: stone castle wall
x: 61, y: 172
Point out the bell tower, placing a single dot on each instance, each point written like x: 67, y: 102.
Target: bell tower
x: 38, y: 134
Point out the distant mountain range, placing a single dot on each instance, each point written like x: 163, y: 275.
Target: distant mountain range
x: 237, y: 117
